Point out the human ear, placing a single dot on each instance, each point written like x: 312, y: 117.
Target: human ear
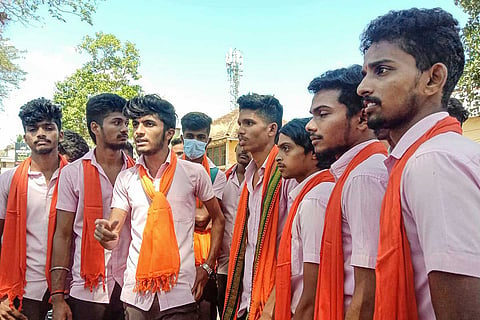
x: 437, y: 76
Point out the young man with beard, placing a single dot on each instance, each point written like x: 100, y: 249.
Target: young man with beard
x: 85, y: 193
x: 299, y: 250
x: 429, y: 249
x: 28, y: 196
x: 195, y: 138
x: 346, y: 282
x: 261, y: 214
x: 233, y: 187
x: 158, y: 196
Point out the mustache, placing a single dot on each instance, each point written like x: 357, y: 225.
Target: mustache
x: 42, y: 140
x: 368, y: 99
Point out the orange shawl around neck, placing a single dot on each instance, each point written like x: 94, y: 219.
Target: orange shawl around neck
x: 263, y: 278
x: 157, y: 270
x: 92, y: 262
x: 13, y: 260
x: 283, y: 283
x: 395, y: 286
x: 330, y: 293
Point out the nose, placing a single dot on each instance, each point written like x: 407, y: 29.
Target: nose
x: 278, y: 158
x: 139, y: 130
x: 41, y: 132
x: 364, y: 88
x: 310, y: 126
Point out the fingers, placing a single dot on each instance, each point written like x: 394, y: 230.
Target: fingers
x: 103, y: 230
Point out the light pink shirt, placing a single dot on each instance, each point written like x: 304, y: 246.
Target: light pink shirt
x: 190, y: 181
x: 231, y: 196
x: 440, y: 196
x: 307, y: 230
x: 38, y: 208
x: 71, y: 199
x: 362, y: 197
x: 253, y: 224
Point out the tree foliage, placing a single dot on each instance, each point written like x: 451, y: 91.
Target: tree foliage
x: 10, y: 72
x: 26, y: 11
x: 112, y: 67
x: 469, y: 84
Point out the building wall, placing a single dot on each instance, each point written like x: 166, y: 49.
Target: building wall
x: 471, y: 128
x: 231, y: 157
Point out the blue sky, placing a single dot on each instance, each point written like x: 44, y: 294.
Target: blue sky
x: 183, y: 44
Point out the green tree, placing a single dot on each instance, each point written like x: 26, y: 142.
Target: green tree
x: 112, y: 67
x: 10, y: 72
x: 469, y: 84
x: 26, y: 12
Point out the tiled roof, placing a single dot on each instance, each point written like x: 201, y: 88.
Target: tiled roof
x: 225, y: 127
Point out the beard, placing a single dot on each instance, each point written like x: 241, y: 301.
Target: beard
x: 115, y: 146
x: 44, y: 150
x: 325, y: 159
x: 408, y: 109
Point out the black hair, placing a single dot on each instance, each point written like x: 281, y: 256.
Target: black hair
x: 175, y: 141
x: 295, y: 130
x: 100, y: 106
x: 38, y: 110
x: 196, y: 121
x: 455, y: 109
x: 429, y: 35
x: 151, y: 104
x: 265, y: 106
x: 345, y: 80
x: 73, y: 145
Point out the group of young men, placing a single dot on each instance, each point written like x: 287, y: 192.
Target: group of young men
x: 317, y: 220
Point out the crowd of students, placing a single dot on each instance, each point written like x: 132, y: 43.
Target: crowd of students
x: 318, y: 219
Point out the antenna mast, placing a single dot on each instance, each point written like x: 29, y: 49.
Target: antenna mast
x: 234, y: 63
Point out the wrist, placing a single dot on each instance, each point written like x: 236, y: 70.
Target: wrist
x: 207, y: 268
x: 57, y: 298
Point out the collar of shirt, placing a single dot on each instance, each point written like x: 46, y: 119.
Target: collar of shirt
x: 250, y: 171
x: 295, y: 191
x: 339, y: 166
x: 412, y: 135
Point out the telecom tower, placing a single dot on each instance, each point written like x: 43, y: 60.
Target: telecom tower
x: 234, y: 63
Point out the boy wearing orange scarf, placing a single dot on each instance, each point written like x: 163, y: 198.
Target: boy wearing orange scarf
x: 158, y: 197
x: 85, y: 193
x: 261, y: 214
x: 195, y: 139
x: 28, y: 196
x: 346, y: 278
x: 299, y: 250
x: 428, y: 262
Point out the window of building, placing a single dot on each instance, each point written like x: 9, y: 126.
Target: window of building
x: 217, y: 154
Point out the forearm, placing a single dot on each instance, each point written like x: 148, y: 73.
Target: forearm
x: 60, y: 259
x: 363, y: 299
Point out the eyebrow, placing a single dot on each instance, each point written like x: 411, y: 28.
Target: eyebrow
x: 313, y: 109
x: 373, y: 64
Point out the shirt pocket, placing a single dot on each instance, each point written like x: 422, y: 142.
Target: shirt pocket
x: 183, y: 208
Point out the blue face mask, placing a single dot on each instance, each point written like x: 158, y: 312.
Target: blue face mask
x: 194, y: 149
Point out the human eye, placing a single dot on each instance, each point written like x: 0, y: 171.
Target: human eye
x: 380, y: 70
x: 135, y: 123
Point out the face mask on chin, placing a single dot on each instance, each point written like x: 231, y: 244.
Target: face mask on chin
x: 194, y: 149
